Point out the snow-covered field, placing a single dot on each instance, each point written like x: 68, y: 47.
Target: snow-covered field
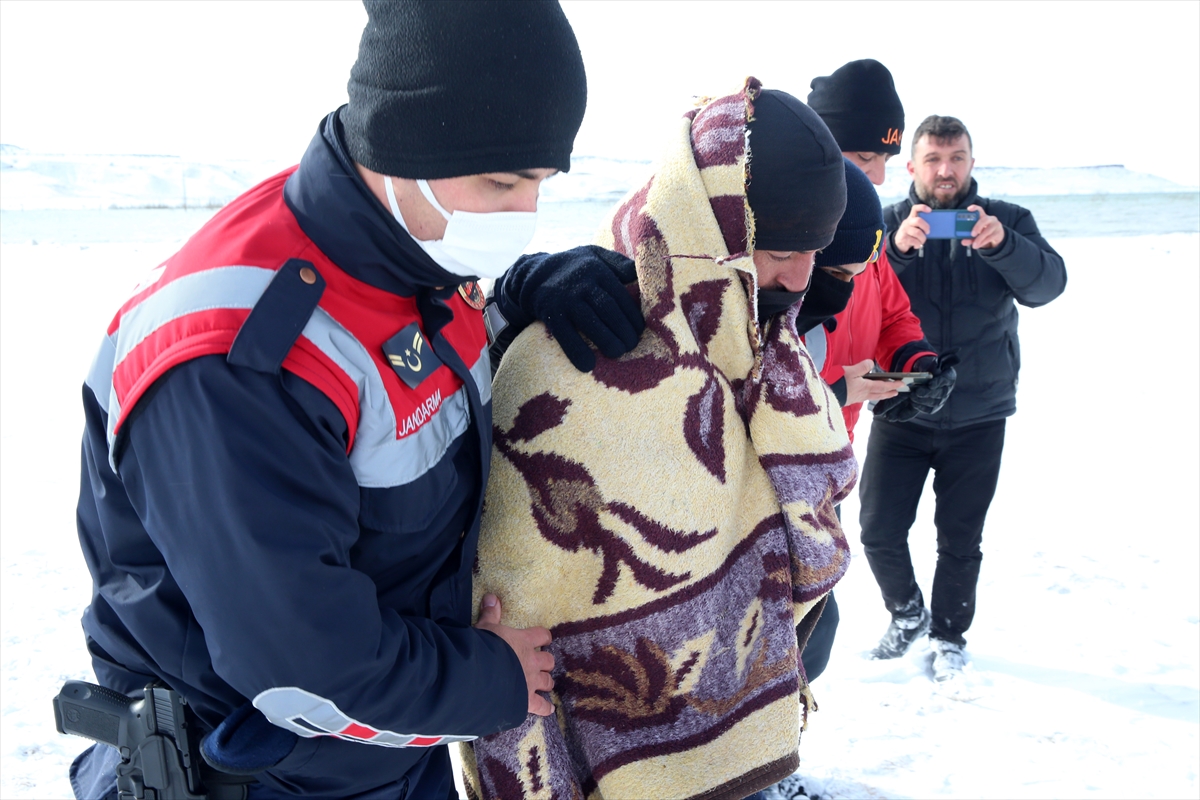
x: 1085, y: 655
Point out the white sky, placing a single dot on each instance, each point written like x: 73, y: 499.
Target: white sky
x: 1038, y: 84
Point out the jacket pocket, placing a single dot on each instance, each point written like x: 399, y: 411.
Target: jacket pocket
x: 1014, y: 356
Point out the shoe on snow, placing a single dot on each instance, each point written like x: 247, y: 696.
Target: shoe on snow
x: 790, y: 788
x: 901, y: 634
x: 948, y: 660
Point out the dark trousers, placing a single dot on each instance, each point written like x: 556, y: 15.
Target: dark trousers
x: 966, y: 467
x: 820, y: 642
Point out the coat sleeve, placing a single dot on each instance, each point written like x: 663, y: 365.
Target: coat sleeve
x: 893, y: 216
x: 901, y: 340
x: 838, y: 387
x: 1029, y: 265
x: 242, y: 480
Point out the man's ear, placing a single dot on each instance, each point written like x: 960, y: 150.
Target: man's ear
x: 912, y: 172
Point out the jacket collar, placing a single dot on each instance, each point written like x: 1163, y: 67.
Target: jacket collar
x: 970, y: 198
x: 344, y: 219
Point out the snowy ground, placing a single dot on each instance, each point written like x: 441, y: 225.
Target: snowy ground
x: 1085, y: 672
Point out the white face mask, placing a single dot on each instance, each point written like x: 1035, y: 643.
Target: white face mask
x: 474, y: 245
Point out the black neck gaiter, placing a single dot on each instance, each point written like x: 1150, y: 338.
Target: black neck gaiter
x: 775, y: 301
x: 827, y: 296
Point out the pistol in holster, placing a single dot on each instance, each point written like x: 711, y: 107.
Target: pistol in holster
x: 160, y: 756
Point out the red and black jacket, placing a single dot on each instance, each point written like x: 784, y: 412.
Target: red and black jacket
x: 877, y: 323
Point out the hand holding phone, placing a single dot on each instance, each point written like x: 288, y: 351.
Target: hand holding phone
x: 864, y: 391
x: 950, y: 223
x: 987, y: 233
x: 912, y: 231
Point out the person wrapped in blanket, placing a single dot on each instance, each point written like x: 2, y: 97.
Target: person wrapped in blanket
x: 669, y: 515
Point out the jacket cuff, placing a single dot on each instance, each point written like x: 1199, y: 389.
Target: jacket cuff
x: 1004, y: 249
x: 517, y: 706
x: 908, y: 365
x: 838, y: 388
x: 895, y: 256
x: 906, y: 355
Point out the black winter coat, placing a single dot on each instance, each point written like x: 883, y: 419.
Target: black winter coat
x: 964, y: 300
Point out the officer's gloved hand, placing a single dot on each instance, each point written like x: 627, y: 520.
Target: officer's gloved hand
x: 929, y: 397
x: 575, y: 293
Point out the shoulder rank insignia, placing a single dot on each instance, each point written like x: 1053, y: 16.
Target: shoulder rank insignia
x: 471, y: 292
x: 411, y: 356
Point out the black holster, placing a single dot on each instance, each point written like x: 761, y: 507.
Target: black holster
x: 156, y: 737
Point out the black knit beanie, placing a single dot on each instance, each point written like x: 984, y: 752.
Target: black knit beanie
x: 860, y: 232
x: 444, y: 88
x: 797, y: 185
x: 860, y: 105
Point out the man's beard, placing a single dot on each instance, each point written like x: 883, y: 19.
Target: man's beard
x: 928, y: 198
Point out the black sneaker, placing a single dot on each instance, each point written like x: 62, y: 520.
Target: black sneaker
x: 901, y: 634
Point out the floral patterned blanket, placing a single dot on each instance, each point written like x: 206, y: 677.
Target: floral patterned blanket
x: 670, y: 515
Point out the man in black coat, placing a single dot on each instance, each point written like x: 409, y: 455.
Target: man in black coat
x: 963, y: 291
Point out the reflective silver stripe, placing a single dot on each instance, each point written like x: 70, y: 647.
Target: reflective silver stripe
x: 99, y: 378
x: 378, y: 458
x: 223, y: 287
x: 815, y: 342
x: 310, y: 715
x: 100, y: 381
x: 482, y: 373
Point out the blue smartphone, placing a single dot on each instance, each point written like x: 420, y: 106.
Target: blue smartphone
x: 949, y: 224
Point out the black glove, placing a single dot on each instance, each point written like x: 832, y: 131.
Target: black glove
x: 896, y: 409
x: 929, y: 397
x: 922, y: 398
x: 576, y: 293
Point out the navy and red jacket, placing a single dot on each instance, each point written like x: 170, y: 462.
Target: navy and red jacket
x: 877, y: 323
x: 288, y: 435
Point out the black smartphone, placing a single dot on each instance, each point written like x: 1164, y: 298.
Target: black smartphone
x: 906, y: 377
x: 949, y: 223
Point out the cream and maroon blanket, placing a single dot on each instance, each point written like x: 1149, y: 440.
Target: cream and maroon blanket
x: 670, y: 515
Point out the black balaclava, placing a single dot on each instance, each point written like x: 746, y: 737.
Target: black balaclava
x: 860, y: 105
x: 797, y: 185
x: 825, y: 297
x: 462, y: 87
